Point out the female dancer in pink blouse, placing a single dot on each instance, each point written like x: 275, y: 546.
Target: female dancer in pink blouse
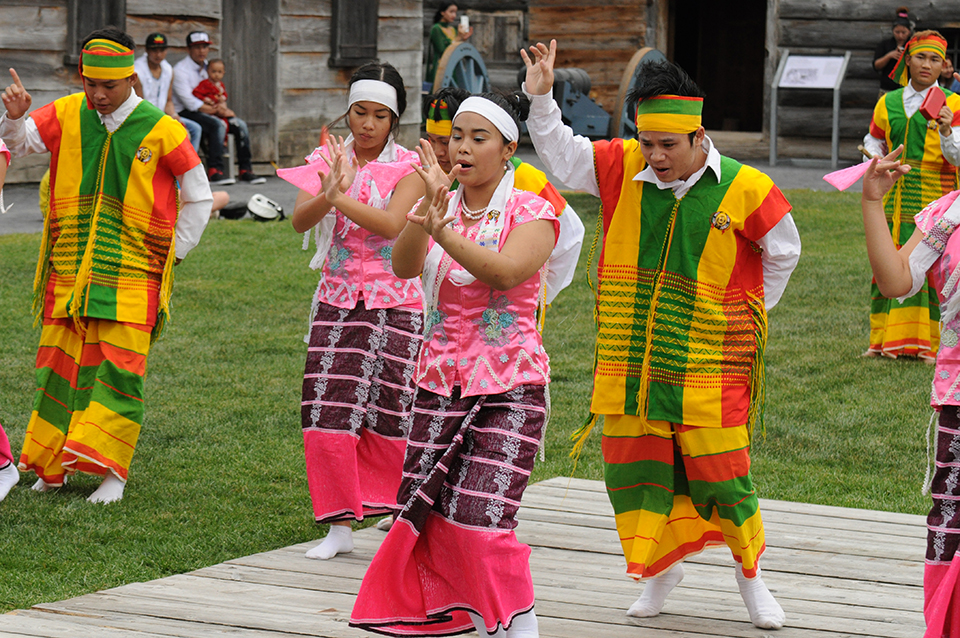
x: 933, y: 250
x: 451, y: 562
x: 9, y: 475
x: 367, y: 323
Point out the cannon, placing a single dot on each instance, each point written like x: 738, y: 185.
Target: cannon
x: 624, y: 126
x: 461, y: 66
x: 571, y: 90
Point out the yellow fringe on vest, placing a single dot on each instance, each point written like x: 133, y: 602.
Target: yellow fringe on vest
x: 42, y: 275
x: 758, y: 311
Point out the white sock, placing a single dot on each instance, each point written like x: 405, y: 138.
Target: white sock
x: 765, y: 612
x: 524, y: 626
x: 42, y: 486
x: 482, y: 627
x: 655, y: 593
x: 9, y: 476
x: 109, y: 491
x: 339, y: 540
x: 384, y: 524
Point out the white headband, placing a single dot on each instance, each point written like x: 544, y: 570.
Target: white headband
x: 493, y: 112
x: 374, y: 91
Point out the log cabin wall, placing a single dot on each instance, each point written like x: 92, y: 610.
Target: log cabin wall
x: 312, y: 94
x: 599, y: 36
x: 811, y: 27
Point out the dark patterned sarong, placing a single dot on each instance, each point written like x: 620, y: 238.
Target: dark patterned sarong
x: 452, y: 549
x: 357, y: 395
x: 941, y: 581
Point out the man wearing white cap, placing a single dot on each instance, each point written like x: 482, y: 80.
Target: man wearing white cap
x: 187, y: 74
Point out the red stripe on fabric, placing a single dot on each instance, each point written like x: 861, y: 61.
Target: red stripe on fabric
x: 125, y: 359
x: 718, y: 467
x: 48, y: 125
x: 608, y: 163
x: 726, y: 504
x: 767, y: 215
x: 630, y: 487
x: 631, y: 450
x: 735, y: 401
x: 710, y: 539
x: 115, y: 438
x: 876, y: 131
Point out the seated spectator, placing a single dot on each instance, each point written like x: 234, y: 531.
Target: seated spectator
x: 187, y: 74
x: 155, y: 83
x: 213, y: 92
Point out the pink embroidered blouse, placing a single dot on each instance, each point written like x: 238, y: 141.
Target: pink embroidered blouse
x: 358, y: 265
x: 941, y: 242
x: 485, y: 340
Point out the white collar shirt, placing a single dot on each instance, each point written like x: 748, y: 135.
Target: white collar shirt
x: 682, y: 187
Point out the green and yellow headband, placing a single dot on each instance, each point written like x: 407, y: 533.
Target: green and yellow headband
x: 669, y: 114
x: 106, y: 60
x: 931, y: 42
x: 439, y: 121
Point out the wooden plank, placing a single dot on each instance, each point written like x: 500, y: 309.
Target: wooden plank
x: 880, y: 12
x: 179, y: 8
x: 321, y: 8
x: 39, y: 70
x: 176, y: 30
x: 33, y: 28
x: 305, y: 33
x: 44, y: 624
x: 847, y: 34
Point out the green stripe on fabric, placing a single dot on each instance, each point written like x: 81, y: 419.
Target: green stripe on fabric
x: 102, y: 302
x: 670, y: 105
x: 52, y: 399
x: 628, y: 492
x: 727, y: 497
x: 100, y: 44
x: 119, y: 390
x: 108, y: 61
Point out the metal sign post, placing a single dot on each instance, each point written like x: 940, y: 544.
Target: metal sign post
x: 809, y: 72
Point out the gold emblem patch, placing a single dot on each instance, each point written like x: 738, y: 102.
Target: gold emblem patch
x: 144, y: 154
x: 720, y: 220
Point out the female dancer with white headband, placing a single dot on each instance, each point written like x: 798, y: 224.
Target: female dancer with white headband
x: 451, y: 562
x: 367, y: 323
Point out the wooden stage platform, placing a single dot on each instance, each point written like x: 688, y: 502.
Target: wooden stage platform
x: 835, y: 571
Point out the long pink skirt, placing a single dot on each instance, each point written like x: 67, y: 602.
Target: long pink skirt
x: 941, y: 578
x: 452, y: 550
x: 355, y: 410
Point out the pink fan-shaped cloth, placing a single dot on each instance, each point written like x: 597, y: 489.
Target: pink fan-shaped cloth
x: 847, y: 177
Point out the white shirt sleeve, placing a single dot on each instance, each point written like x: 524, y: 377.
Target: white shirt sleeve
x: 197, y: 200
x: 781, y: 252
x: 183, y: 91
x: 21, y: 136
x: 875, y: 146
x: 568, y: 156
x: 950, y: 147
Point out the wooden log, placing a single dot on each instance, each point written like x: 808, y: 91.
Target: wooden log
x: 304, y: 33
x: 841, y: 34
x: 880, y: 12
x: 177, y: 8
x: 176, y: 30
x: 33, y: 28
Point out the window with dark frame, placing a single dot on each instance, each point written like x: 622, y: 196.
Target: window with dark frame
x: 353, y: 32
x: 86, y: 16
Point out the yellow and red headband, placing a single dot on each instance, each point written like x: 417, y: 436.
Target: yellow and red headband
x: 669, y: 114
x: 105, y: 59
x: 931, y: 42
x: 439, y: 120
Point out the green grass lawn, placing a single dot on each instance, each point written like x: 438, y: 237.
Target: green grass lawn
x: 219, y: 468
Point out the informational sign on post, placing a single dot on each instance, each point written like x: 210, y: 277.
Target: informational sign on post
x: 811, y: 72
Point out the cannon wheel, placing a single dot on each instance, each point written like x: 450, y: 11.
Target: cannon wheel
x: 461, y: 66
x: 622, y: 125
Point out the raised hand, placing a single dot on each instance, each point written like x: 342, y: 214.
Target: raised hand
x: 15, y: 98
x: 430, y: 172
x: 882, y: 175
x: 435, y: 219
x: 540, y: 68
